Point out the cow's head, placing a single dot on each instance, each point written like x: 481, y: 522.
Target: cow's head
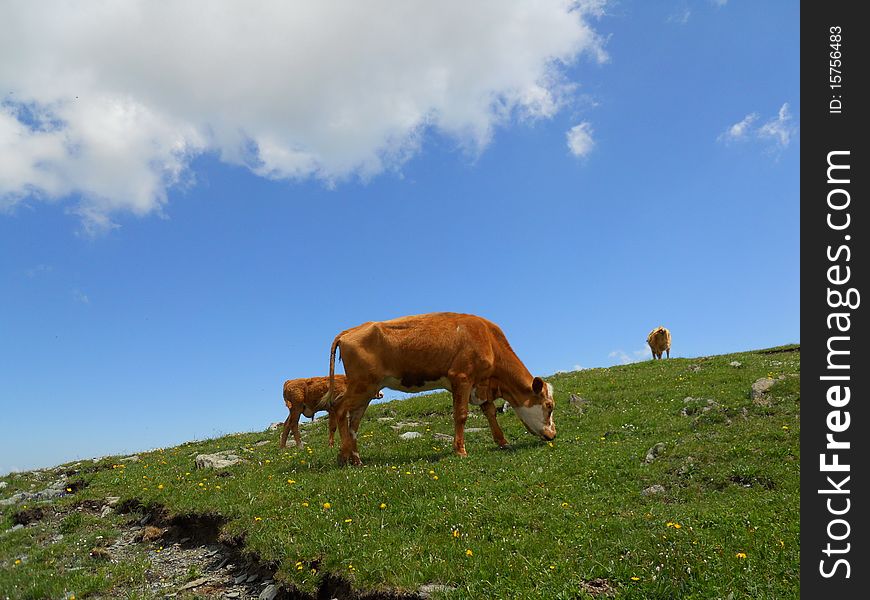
x: 534, y: 407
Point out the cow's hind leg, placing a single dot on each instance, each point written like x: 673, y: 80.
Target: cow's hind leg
x: 354, y: 402
x: 294, y: 403
x: 489, y: 411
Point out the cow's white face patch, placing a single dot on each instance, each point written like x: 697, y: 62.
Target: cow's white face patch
x: 533, y: 417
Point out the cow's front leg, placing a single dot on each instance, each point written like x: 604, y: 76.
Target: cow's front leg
x: 461, y: 394
x: 489, y: 411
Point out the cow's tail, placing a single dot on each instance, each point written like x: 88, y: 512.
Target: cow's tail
x: 330, y: 394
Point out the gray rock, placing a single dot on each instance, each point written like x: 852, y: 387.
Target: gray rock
x: 385, y: 419
x: 654, y: 452
x: 193, y: 584
x: 694, y: 405
x: 112, y: 500
x: 431, y: 589
x: 276, y: 426
x: 218, y: 460
x: 262, y: 443
x: 133, y: 458
x: 411, y: 435
x: 404, y: 424
x: 736, y: 364
x: 473, y: 429
x: 654, y: 490
x: 16, y: 498
x: 3, y: 484
x: 443, y: 436
x: 270, y: 592
x: 17, y: 527
x: 761, y: 387
x: 578, y: 402
x: 107, y: 510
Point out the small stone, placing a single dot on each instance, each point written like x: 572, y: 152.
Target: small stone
x: 411, y: 435
x: 275, y: 426
x: 654, y: 452
x: 251, y: 578
x: 577, y: 402
x: 232, y: 594
x: 404, y: 424
x: 133, y: 458
x: 107, y: 510
x: 218, y: 460
x: 442, y: 436
x: 3, y: 484
x: 736, y: 364
x: 428, y: 590
x: 385, y: 419
x: 761, y: 387
x: 270, y: 592
x: 112, y: 500
x: 240, y: 578
x: 654, y: 490
x: 17, y: 527
x: 262, y: 443
x: 473, y: 429
x: 193, y: 584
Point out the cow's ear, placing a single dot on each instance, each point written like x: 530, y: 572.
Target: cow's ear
x: 537, y: 385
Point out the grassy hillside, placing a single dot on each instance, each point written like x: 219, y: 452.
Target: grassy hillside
x: 579, y: 517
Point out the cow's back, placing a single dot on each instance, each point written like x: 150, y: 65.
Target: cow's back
x: 417, y: 348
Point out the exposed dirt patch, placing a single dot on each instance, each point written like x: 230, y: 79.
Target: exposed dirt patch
x: 779, y: 350
x: 598, y: 587
x: 190, y: 554
x: 28, y: 516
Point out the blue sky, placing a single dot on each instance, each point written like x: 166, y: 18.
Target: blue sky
x: 173, y: 246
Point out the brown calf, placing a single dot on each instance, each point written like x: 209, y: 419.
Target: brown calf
x: 306, y: 397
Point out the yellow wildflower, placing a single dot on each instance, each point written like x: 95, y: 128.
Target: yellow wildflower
x: 382, y: 506
x: 456, y: 533
x: 468, y: 552
x: 291, y: 481
x: 327, y: 505
x: 304, y: 504
x: 348, y: 520
x: 435, y: 477
x: 741, y: 555
x: 635, y: 578
x: 258, y: 518
x: 160, y: 487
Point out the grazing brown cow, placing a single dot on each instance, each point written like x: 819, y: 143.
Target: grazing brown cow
x: 659, y: 340
x: 465, y: 354
x: 306, y: 397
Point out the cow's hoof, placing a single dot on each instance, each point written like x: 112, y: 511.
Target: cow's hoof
x: 461, y: 452
x: 504, y: 446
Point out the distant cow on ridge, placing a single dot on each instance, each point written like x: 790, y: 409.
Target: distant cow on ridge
x: 659, y: 340
x: 465, y: 354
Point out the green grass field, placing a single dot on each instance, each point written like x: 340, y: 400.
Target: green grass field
x: 567, y: 519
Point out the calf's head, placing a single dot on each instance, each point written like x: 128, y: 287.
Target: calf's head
x: 534, y: 407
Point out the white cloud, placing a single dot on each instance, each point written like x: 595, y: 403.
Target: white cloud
x: 110, y: 105
x: 580, y: 141
x: 80, y: 297
x: 779, y: 129
x: 680, y: 17
x: 625, y: 358
x: 776, y: 132
x: 739, y: 130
